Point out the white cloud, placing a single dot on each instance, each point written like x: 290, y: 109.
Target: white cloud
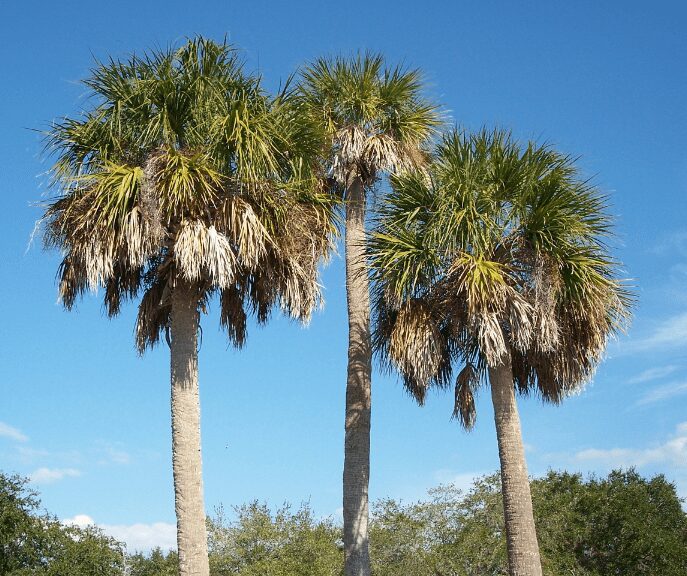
x: 673, y: 452
x: 137, y: 537
x: 663, y: 393
x: 12, y: 433
x: 653, y: 374
x: 80, y: 520
x: 144, y: 537
x: 49, y: 475
x: 671, y: 333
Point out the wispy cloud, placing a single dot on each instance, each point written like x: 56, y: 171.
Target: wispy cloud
x: 7, y: 431
x: 653, y: 374
x: 672, y: 452
x: 461, y: 480
x: 663, y: 393
x: 137, y: 537
x: 50, y: 475
x: 672, y: 243
x: 112, y: 453
x: 670, y: 334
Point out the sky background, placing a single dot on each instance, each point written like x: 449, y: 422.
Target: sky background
x: 88, y: 420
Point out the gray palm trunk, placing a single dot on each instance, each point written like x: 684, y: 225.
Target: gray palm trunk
x: 186, y: 457
x: 521, y: 537
x: 356, y: 473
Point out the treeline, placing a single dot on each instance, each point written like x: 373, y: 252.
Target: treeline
x: 621, y: 524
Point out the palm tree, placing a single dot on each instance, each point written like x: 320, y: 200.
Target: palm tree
x: 376, y: 121
x: 185, y: 180
x: 495, y: 257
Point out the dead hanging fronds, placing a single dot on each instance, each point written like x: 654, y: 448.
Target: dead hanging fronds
x: 416, y: 345
x: 201, y: 252
x: 237, y: 219
x: 154, y: 315
x: 546, y: 286
x: 124, y: 284
x: 305, y: 241
x: 233, y: 314
x: 358, y: 153
x: 464, y: 399
x: 521, y: 316
x: 72, y: 279
x: 142, y: 236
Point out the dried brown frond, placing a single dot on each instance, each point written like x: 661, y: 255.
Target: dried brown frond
x: 153, y: 315
x: 416, y: 345
x: 233, y: 315
x: 520, y: 320
x: 547, y: 284
x: 464, y: 404
x: 201, y: 252
x: 237, y: 219
x: 124, y: 284
x: 359, y: 154
x: 72, y: 279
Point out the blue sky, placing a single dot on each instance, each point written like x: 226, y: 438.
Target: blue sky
x: 88, y: 420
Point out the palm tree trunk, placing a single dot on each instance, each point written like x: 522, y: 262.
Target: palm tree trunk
x: 356, y: 475
x: 521, y: 537
x: 186, y: 458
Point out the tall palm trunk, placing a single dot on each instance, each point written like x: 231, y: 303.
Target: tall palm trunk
x: 356, y: 475
x: 186, y: 458
x: 521, y: 537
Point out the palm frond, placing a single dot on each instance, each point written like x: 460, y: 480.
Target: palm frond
x: 508, y: 245
x: 185, y: 167
x: 376, y: 117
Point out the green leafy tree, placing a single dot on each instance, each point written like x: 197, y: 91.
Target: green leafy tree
x: 155, y: 563
x: 621, y: 524
x: 282, y: 543
x: 495, y: 258
x: 17, y: 504
x: 376, y: 121
x: 34, y: 543
x: 184, y: 180
x: 451, y: 534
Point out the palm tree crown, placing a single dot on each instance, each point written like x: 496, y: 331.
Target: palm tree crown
x: 376, y: 117
x: 496, y: 249
x: 185, y: 168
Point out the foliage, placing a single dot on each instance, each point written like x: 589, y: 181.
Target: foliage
x: 622, y: 524
x: 497, y: 249
x: 37, y: 544
x: 284, y: 543
x: 185, y: 170
x: 374, y: 116
x: 156, y: 563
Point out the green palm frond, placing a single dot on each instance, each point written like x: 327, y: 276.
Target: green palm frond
x: 509, y: 246
x: 375, y: 117
x: 185, y: 167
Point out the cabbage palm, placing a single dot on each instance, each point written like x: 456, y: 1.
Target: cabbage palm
x: 184, y: 181
x: 495, y: 259
x: 377, y: 121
